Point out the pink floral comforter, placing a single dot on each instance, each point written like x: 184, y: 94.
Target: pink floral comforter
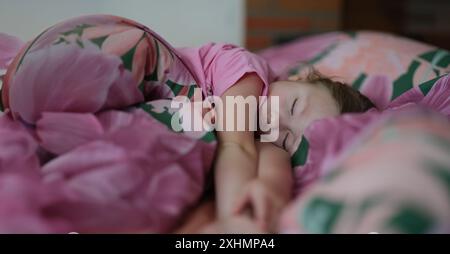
x: 85, y: 137
x: 104, y: 84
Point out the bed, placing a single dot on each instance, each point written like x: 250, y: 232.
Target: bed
x: 137, y: 174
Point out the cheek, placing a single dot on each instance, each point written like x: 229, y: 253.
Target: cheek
x: 283, y: 116
x: 331, y: 110
x: 324, y: 111
x: 325, y: 107
x: 281, y: 126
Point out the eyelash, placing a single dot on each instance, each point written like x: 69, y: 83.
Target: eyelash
x: 293, y: 106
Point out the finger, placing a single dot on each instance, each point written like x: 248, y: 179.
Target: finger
x: 269, y: 222
x: 241, y: 204
x: 259, y: 203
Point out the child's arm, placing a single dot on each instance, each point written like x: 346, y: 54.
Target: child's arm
x: 275, y: 169
x: 237, y: 157
x: 272, y: 189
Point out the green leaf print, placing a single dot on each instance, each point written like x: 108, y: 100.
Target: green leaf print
x: 437, y: 57
x: 154, y: 75
x: 441, y: 172
x: 405, y: 81
x: 176, y: 88
x: 369, y: 203
x: 78, y: 30
x: 320, y: 215
x: 426, y: 86
x: 300, y: 156
x: 127, y: 58
x: 411, y: 220
x: 164, y: 117
x: 209, y: 137
x: 99, y: 41
x: 359, y: 81
x: 191, y: 90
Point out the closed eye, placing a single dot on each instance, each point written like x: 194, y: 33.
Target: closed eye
x: 293, y: 106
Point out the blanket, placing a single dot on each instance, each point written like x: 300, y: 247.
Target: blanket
x: 86, y: 136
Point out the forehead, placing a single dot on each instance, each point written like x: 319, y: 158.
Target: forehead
x: 298, y: 87
x: 316, y: 95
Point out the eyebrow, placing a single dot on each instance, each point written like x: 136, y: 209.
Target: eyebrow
x: 284, y: 141
x: 293, y: 105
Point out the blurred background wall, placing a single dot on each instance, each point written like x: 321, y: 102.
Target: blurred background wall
x: 273, y: 21
x: 181, y: 22
x: 255, y: 24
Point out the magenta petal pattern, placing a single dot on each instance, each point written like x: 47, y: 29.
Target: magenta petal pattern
x: 82, y: 147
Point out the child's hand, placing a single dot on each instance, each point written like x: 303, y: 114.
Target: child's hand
x: 233, y: 225
x: 264, y: 203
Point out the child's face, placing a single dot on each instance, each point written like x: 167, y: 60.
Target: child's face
x: 300, y: 104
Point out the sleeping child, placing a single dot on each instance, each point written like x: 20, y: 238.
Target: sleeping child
x: 75, y: 100
x: 253, y: 179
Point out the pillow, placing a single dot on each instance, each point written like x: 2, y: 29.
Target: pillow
x: 382, y: 66
x: 390, y: 70
x: 319, y: 145
x: 394, y: 177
